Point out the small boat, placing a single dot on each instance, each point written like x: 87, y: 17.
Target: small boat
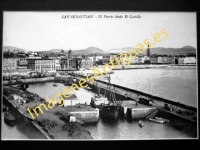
x: 9, y: 118
x: 140, y: 123
x: 156, y: 120
x: 159, y: 118
x: 55, y: 85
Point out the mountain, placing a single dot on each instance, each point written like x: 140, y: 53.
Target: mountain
x: 92, y: 50
x: 89, y: 50
x: 11, y: 48
x: 160, y: 50
x: 56, y: 50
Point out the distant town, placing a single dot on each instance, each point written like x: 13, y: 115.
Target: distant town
x: 43, y: 64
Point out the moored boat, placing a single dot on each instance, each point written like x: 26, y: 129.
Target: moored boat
x: 156, y: 120
x: 9, y: 119
x: 55, y: 84
x: 109, y: 111
x: 159, y: 118
x: 107, y: 108
x: 140, y: 123
x: 97, y: 101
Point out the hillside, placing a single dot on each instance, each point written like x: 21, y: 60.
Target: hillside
x: 89, y: 50
x: 11, y: 48
x: 160, y: 50
x: 94, y: 50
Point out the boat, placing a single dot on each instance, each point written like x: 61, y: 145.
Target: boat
x: 9, y: 119
x: 98, y: 100
x: 55, y: 84
x: 156, y: 120
x: 107, y: 109
x: 159, y: 118
x: 140, y: 123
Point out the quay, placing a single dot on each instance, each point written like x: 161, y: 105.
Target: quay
x: 180, y: 115
x: 55, y: 121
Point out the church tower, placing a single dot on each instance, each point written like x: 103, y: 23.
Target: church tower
x: 148, y: 52
x: 70, y: 53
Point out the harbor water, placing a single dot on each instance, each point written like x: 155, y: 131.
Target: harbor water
x: 174, y: 84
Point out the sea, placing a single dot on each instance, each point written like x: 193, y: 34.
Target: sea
x: 175, y: 84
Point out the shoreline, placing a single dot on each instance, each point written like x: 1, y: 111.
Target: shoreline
x: 155, y: 66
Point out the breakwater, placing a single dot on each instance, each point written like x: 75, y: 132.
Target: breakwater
x: 124, y: 92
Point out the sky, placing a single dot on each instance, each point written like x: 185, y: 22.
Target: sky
x: 37, y: 31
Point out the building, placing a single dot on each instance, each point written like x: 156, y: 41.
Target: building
x: 181, y: 59
x: 132, y: 60
x: 164, y: 59
x: 33, y: 54
x: 97, y: 58
x: 86, y: 63
x: 31, y: 63
x: 154, y: 59
x: 113, y: 56
x: 45, y: 65
x: 160, y: 59
x: 190, y: 59
x: 91, y: 58
x: 22, y: 63
x: 170, y: 59
x: 141, y: 59
x: 106, y: 58
x: 9, y: 62
x: 70, y: 63
x: 57, y: 64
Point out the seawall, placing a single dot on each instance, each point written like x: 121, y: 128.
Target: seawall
x: 29, y: 80
x: 24, y: 121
